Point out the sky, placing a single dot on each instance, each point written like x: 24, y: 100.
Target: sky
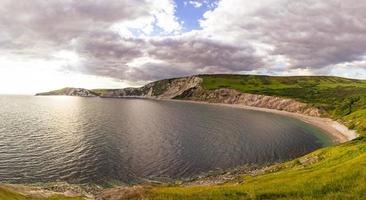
x: 46, y: 45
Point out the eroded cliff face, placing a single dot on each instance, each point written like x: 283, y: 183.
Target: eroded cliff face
x: 164, y: 89
x: 230, y: 96
x: 178, y: 86
x: 190, y: 88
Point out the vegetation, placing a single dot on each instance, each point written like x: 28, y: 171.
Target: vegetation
x: 336, y: 172
x: 339, y: 98
x: 9, y: 194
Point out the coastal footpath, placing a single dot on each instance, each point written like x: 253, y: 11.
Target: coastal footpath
x: 335, y: 172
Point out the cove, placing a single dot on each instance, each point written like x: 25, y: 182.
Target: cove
x: 93, y: 140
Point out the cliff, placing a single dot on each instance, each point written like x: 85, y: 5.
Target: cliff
x: 70, y: 92
x: 329, y: 173
x: 231, y: 96
x: 163, y: 89
x: 191, y: 88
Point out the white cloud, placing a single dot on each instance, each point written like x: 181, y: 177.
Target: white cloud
x: 161, y: 16
x: 301, y: 35
x: 195, y: 4
x: 137, y: 41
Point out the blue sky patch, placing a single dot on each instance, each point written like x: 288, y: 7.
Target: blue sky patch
x: 190, y: 12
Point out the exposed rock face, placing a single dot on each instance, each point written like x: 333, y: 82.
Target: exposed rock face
x: 119, y: 93
x: 178, y: 86
x: 80, y: 92
x: 165, y: 89
x: 70, y: 92
x: 230, y: 96
x: 190, y: 88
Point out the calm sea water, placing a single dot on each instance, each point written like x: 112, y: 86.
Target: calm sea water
x: 84, y: 140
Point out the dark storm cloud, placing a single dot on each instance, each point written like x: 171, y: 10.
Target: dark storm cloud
x: 314, y: 33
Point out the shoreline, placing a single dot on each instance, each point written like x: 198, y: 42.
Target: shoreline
x: 338, y: 132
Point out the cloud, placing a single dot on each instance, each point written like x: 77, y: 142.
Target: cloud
x: 195, y: 4
x: 204, y: 55
x: 101, y: 33
x: 161, y: 16
x: 57, y: 22
x: 60, y: 21
x: 142, y: 40
x: 210, y: 4
x: 309, y: 34
x: 108, y: 54
x: 316, y: 34
x: 184, y: 56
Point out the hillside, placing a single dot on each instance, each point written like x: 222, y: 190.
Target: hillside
x: 335, y: 97
x: 336, y: 172
x: 17, y: 192
x: 332, y: 173
x: 340, y: 98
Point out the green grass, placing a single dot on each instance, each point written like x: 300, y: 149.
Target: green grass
x: 338, y: 173
x: 335, y: 172
x: 357, y: 120
x: 339, y: 98
x: 8, y: 194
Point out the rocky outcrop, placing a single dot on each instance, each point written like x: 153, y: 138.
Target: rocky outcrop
x: 178, y: 86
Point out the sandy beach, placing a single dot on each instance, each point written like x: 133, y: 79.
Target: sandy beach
x: 337, y: 131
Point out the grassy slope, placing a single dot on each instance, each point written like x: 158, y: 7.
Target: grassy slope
x: 338, y: 172
x: 340, y: 98
x: 8, y: 194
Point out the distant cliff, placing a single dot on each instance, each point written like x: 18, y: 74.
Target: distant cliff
x: 190, y: 88
x: 70, y: 92
x: 163, y: 89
